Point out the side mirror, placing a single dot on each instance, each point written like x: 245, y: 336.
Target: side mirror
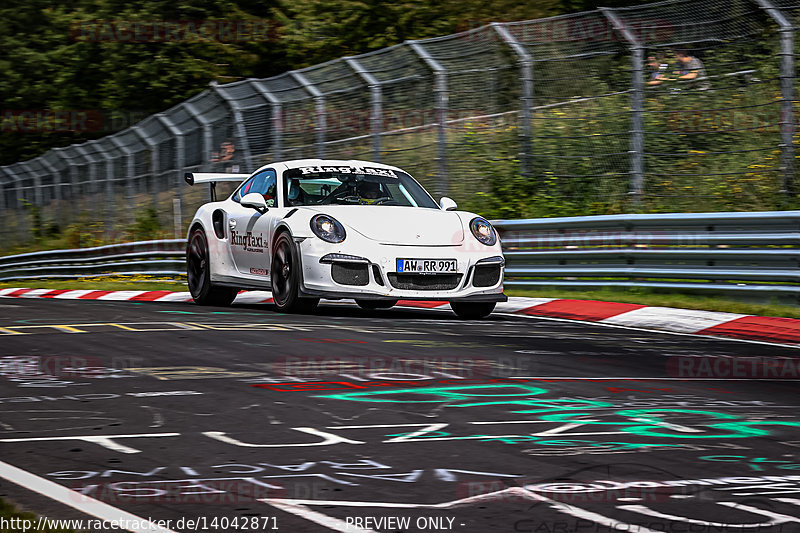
x: 448, y: 204
x: 255, y: 201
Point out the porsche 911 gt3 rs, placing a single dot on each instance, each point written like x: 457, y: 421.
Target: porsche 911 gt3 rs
x: 312, y: 228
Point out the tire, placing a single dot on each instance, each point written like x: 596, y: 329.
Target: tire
x: 285, y: 276
x: 198, y: 273
x: 372, y: 305
x: 472, y: 310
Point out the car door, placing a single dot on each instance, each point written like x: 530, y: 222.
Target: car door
x: 250, y: 230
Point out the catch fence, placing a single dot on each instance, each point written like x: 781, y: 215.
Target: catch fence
x: 547, y: 117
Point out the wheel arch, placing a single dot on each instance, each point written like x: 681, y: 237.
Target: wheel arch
x: 280, y: 230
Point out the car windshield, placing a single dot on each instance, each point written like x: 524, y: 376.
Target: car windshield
x: 343, y: 185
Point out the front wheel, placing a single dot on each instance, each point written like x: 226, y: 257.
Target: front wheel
x: 285, y: 275
x: 372, y: 305
x: 198, y: 273
x: 472, y: 310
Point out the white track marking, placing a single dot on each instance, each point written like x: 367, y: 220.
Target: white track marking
x: 35, y: 293
x: 121, y: 295
x: 678, y: 320
x: 299, y: 508
x: 3, y: 292
x: 72, y: 295
x: 106, y: 441
x: 175, y: 297
x: 322, y: 519
x: 76, y: 500
x: 252, y: 297
x: 514, y: 305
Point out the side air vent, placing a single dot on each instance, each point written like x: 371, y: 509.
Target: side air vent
x: 218, y: 219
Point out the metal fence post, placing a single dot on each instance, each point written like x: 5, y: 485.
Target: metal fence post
x: 787, y: 93
x: 92, y: 177
x: 129, y: 169
x: 70, y: 170
x: 6, y: 180
x: 440, y: 88
x: 109, y: 181
x: 319, y: 102
x: 208, y: 141
x: 153, y: 146
x: 37, y: 184
x: 637, y: 105
x: 238, y: 120
x: 526, y: 76
x: 180, y: 158
x: 277, y: 119
x: 376, y: 108
x: 56, y: 177
x: 59, y: 215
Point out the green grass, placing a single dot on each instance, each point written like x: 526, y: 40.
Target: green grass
x: 9, y: 512
x: 680, y: 300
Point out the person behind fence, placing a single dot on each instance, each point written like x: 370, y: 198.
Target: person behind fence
x: 225, y: 153
x: 691, y: 68
x: 658, y: 70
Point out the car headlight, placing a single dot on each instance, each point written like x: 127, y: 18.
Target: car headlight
x: 483, y: 231
x: 328, y: 228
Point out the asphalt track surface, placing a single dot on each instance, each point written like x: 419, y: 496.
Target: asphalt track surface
x: 245, y: 419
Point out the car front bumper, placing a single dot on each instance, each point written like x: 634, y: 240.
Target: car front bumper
x: 378, y: 278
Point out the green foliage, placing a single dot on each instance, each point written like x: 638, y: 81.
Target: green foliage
x: 147, y: 225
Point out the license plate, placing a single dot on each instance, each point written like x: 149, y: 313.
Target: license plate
x: 426, y: 266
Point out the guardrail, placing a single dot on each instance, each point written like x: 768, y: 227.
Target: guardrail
x: 161, y: 257
x: 718, y: 252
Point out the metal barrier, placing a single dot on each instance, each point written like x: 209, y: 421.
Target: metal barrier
x: 162, y: 257
x: 717, y: 252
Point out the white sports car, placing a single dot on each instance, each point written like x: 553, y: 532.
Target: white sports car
x: 312, y: 228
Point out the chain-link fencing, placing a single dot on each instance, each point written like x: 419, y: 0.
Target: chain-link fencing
x: 677, y: 106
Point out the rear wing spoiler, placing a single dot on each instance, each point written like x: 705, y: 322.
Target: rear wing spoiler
x: 193, y: 178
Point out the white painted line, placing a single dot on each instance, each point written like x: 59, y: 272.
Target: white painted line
x: 106, y: 441
x: 35, y: 293
x: 678, y: 320
x: 72, y: 295
x: 515, y: 305
x: 318, y: 518
x: 175, y: 297
x: 3, y: 292
x: 252, y: 297
x: 76, y: 500
x: 298, y: 508
x: 121, y: 295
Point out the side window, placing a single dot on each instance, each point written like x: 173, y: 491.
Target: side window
x: 264, y: 183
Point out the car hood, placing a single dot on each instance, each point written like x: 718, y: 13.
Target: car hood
x: 399, y: 225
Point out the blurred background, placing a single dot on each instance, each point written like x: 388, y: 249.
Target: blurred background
x: 516, y: 111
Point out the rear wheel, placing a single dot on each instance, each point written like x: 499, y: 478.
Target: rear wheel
x: 285, y: 275
x: 198, y: 273
x: 372, y: 305
x: 472, y: 310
